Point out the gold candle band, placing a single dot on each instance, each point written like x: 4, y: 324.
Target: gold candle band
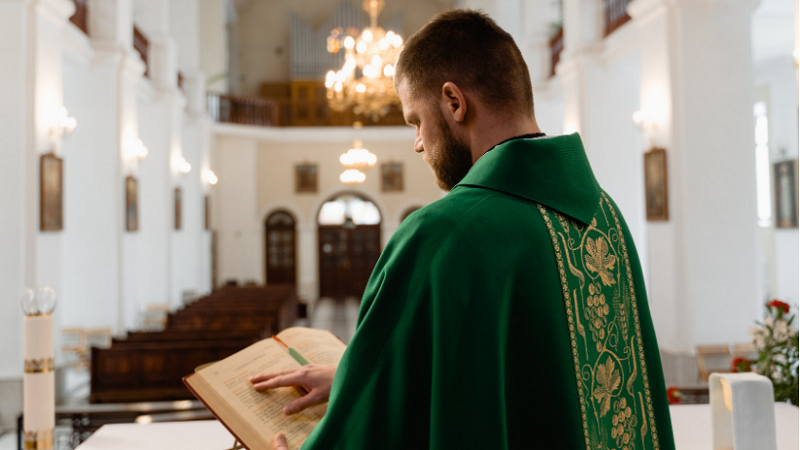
x: 42, y: 365
x: 39, y: 440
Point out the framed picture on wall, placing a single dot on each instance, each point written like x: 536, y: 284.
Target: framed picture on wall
x: 785, y: 175
x: 131, y: 204
x: 656, y: 189
x: 208, y: 212
x: 305, y: 176
x: 178, y: 208
x: 392, y: 177
x: 51, y: 193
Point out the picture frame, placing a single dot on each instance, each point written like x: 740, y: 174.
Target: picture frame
x: 786, y: 193
x: 178, y: 209
x: 656, y: 185
x: 392, y: 177
x: 131, y: 203
x: 306, y: 175
x: 207, y: 204
x: 51, y: 193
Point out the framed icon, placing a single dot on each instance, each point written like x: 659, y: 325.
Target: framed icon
x: 131, y: 204
x: 51, y: 193
x: 656, y: 188
x: 306, y: 177
x: 392, y: 177
x: 785, y: 174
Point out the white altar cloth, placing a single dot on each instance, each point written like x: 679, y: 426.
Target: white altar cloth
x: 691, y: 425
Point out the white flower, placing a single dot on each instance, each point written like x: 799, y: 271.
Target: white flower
x: 769, y: 321
x: 754, y: 330
x: 781, y: 330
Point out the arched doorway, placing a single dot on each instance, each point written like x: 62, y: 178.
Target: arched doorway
x: 349, y: 244
x: 280, y: 248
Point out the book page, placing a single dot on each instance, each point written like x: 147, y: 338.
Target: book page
x: 316, y: 346
x: 262, y: 410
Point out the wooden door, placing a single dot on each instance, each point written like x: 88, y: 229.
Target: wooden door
x: 280, y: 252
x: 346, y: 258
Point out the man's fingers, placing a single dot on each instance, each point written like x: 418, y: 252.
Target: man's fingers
x: 269, y: 375
x: 306, y: 401
x: 280, y: 442
x: 289, y: 379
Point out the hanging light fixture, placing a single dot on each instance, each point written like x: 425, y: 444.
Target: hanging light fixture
x: 366, y: 80
x: 352, y: 176
x: 358, y: 157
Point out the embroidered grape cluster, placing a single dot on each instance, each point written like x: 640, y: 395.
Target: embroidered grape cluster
x: 623, y: 422
x: 596, y: 313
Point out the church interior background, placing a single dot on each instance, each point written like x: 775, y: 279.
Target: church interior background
x: 154, y: 151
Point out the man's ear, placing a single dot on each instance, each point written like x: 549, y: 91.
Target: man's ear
x: 455, y: 101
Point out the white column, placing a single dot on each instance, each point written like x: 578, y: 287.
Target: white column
x: 116, y: 72
x: 703, y: 274
x: 14, y: 114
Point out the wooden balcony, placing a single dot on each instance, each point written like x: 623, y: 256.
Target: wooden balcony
x: 615, y: 14
x: 556, y: 46
x: 80, y: 18
x: 141, y: 45
x: 296, y: 104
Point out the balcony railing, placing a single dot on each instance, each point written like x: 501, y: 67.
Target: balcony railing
x: 287, y: 112
x: 615, y: 14
x: 556, y: 46
x: 141, y: 45
x: 243, y: 110
x: 80, y: 18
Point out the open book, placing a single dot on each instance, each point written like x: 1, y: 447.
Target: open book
x: 255, y: 417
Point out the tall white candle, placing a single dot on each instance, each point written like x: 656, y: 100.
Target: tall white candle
x: 39, y: 396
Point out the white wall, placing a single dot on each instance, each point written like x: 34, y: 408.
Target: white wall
x: 256, y: 173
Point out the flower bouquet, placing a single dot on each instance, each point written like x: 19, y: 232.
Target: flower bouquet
x: 777, y: 346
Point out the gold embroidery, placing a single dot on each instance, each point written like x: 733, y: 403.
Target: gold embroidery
x: 35, y: 440
x: 39, y: 365
x: 611, y: 373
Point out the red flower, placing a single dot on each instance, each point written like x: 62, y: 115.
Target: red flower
x: 777, y: 304
x: 673, y: 395
x: 740, y: 364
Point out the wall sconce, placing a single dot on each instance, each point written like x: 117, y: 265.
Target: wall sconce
x: 646, y: 124
x: 184, y: 166
x: 63, y: 127
x: 137, y: 149
x: 211, y: 177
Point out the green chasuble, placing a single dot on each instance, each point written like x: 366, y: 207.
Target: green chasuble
x: 510, y: 314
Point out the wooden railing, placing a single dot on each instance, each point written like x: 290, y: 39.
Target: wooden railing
x: 141, y: 45
x: 556, y: 46
x: 287, y: 113
x: 243, y: 110
x: 80, y: 18
x: 615, y: 14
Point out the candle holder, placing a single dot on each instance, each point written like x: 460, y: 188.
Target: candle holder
x: 39, y: 378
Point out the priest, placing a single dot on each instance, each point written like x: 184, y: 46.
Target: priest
x: 510, y: 314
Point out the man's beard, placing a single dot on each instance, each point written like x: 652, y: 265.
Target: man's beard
x: 451, y: 159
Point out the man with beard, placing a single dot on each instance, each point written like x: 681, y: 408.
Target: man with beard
x: 512, y: 312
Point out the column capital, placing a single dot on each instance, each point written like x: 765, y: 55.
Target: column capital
x: 59, y: 10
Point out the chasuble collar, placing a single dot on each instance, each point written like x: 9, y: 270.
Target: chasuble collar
x: 553, y: 171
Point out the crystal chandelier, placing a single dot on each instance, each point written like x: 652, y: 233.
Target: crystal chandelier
x: 356, y: 161
x: 365, y: 82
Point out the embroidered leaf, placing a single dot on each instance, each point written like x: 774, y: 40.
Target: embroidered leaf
x: 598, y: 260
x: 608, y: 380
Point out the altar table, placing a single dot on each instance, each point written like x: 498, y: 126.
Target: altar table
x: 691, y: 425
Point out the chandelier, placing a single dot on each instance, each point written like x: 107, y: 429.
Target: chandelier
x: 365, y: 82
x: 356, y: 161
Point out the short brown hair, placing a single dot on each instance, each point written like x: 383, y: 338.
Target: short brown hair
x: 469, y: 49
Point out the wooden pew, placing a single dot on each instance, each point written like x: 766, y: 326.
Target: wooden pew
x: 149, y: 366
x: 152, y: 371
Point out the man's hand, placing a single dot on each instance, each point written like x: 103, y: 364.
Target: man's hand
x: 280, y: 442
x: 314, y: 379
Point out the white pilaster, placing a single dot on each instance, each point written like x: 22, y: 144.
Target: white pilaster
x: 703, y: 281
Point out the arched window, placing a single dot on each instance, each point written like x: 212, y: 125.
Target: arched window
x: 280, y: 248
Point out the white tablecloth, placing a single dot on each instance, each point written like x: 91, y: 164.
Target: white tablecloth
x: 691, y: 425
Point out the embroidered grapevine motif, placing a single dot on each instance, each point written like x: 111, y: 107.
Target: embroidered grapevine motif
x: 600, y: 301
